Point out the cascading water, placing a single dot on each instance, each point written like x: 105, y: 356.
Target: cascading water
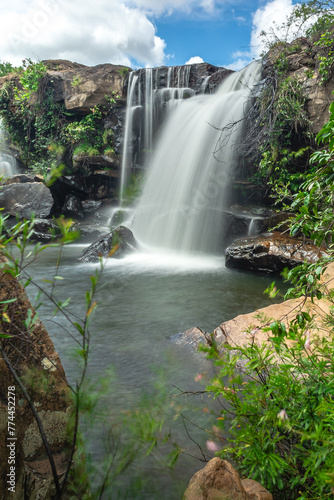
x: 186, y: 188
x: 147, y: 104
x: 8, y: 165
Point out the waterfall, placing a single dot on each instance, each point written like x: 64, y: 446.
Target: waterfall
x: 148, y: 102
x: 187, y: 188
x: 8, y: 165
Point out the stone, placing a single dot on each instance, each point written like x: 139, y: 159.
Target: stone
x: 90, y: 205
x: 220, y: 481
x: 302, y: 64
x: 270, y: 253
x: 72, y: 206
x: 21, y: 178
x: 116, y: 244
x: 45, y: 230
x: 191, y: 338
x: 249, y: 327
x: 28, y: 350
x: 99, y: 185
x: 64, y: 186
x: 81, y: 88
x: 26, y: 199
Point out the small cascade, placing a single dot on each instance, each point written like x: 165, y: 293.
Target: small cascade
x: 127, y: 158
x: 187, y: 188
x: 8, y: 164
x: 253, y: 227
x: 150, y: 99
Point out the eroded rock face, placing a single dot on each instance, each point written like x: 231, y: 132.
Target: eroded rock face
x: 220, y: 481
x: 270, y: 253
x: 33, y: 355
x: 303, y: 65
x: 84, y: 87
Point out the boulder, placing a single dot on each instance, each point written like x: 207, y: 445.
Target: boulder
x: 251, y: 327
x: 191, y: 338
x: 27, y: 199
x: 72, y: 206
x: 99, y: 185
x: 45, y: 230
x: 270, y: 253
x: 116, y: 244
x: 32, y: 353
x: 220, y: 481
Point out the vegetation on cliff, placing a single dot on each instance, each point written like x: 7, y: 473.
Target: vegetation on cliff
x: 45, y: 133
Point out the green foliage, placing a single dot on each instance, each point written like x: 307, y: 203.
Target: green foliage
x: 6, y: 68
x: 43, y: 130
x: 30, y: 79
x: 313, y: 204
x: 279, y: 411
x: 282, y: 161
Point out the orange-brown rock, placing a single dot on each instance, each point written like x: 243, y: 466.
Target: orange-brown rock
x: 31, y: 353
x: 244, y: 328
x: 220, y: 481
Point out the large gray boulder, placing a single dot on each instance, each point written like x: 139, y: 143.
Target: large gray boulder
x: 270, y: 253
x: 26, y: 199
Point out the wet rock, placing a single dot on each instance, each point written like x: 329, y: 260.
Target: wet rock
x: 220, y: 481
x: 45, y: 230
x: 270, y: 253
x: 89, y: 232
x: 191, y: 338
x: 116, y: 244
x: 26, y: 199
x: 89, y: 206
x: 72, y: 206
x: 99, y: 185
x: 63, y: 187
x: 21, y: 178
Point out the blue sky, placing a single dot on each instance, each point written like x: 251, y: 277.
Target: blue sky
x: 138, y: 33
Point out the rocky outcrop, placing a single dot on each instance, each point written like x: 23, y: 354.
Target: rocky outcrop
x: 81, y: 88
x: 251, y: 327
x: 202, y: 77
x: 30, y: 351
x: 220, y: 481
x: 116, y: 244
x: 270, y: 253
x: 302, y: 65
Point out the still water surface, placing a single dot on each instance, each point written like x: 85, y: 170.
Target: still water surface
x: 144, y: 300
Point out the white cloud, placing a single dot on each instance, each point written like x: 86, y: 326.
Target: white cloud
x: 83, y: 31
x: 167, y: 7
x: 269, y: 19
x: 238, y: 64
x: 195, y: 60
